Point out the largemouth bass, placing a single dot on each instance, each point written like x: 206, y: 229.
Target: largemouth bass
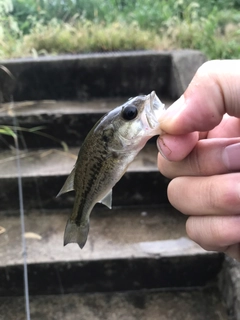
x: 105, y: 155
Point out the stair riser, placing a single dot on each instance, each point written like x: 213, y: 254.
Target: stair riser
x: 85, y: 76
x: 135, y: 188
x: 112, y: 275
x: 71, y: 129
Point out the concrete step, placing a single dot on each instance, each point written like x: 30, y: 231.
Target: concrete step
x: 200, y: 304
x: 115, y: 233
x: 84, y: 76
x: 59, y: 121
x: 127, y: 249
x: 138, y: 262
x: 44, y: 172
x: 67, y: 121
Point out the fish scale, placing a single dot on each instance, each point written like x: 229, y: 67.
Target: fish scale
x: 85, y: 181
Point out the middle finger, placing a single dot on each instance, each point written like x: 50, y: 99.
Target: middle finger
x: 214, y: 195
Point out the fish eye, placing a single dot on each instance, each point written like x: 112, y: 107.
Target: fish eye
x: 130, y: 112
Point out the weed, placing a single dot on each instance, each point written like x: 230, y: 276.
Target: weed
x: 213, y: 35
x: 83, y: 36
x: 32, y: 28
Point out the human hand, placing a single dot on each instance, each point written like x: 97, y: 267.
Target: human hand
x: 201, y: 153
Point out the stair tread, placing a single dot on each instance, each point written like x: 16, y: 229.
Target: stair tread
x: 27, y: 108
x: 50, y: 162
x: 117, y: 233
x: 47, y: 124
x: 55, y: 107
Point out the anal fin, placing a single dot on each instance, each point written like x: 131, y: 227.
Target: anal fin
x: 107, y: 200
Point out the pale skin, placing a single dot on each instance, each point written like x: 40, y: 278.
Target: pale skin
x: 200, y: 152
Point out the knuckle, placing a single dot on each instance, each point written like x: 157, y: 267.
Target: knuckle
x: 209, y: 195
x: 217, y: 227
x: 207, y: 231
x: 195, y: 163
x: 221, y: 196
x: 228, y: 198
x: 229, y: 195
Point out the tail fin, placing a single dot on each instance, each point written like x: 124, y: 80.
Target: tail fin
x: 76, y: 234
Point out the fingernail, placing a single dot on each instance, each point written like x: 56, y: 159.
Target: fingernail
x: 231, y: 156
x: 162, y: 148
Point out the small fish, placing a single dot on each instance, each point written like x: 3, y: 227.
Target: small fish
x: 105, y: 155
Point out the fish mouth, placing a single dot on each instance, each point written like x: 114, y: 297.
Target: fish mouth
x: 154, y: 109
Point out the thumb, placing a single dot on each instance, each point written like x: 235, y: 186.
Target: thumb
x: 213, y: 91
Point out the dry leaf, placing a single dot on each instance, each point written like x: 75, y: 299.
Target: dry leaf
x: 2, y: 230
x: 32, y: 235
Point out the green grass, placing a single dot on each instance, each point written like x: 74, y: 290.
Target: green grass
x: 31, y: 27
x: 89, y: 37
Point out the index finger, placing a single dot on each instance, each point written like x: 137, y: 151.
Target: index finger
x: 213, y: 91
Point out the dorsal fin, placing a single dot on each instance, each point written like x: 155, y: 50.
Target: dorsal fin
x: 68, y: 184
x: 107, y: 200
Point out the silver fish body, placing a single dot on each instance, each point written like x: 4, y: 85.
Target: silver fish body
x: 107, y: 151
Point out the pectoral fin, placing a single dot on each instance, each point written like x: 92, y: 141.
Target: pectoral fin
x: 107, y: 200
x: 69, y: 184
